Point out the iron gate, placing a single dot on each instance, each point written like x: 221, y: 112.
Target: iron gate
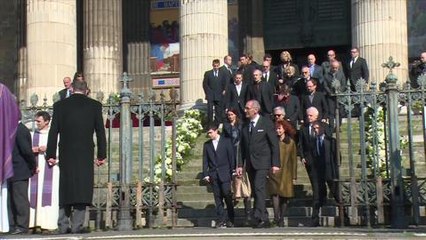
x: 381, y: 185
x: 137, y: 187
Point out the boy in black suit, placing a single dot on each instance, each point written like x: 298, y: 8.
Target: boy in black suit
x: 218, y: 163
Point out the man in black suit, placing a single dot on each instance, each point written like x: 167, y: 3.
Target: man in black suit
x: 260, y: 154
x: 247, y: 69
x: 76, y: 119
x: 315, y: 99
x: 218, y: 164
x: 307, y: 149
x: 226, y: 69
x: 24, y: 166
x: 327, y: 172
x: 299, y: 86
x: 214, y: 85
x: 236, y: 94
x: 67, y: 91
x: 357, y: 68
x: 262, y: 92
x: 269, y: 76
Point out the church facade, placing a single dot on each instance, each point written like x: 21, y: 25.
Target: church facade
x: 170, y: 43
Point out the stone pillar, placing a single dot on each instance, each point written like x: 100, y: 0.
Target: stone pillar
x: 137, y: 47
x: 51, y: 45
x: 102, y: 45
x: 204, y: 37
x: 379, y: 30
x: 21, y: 81
x: 250, y: 14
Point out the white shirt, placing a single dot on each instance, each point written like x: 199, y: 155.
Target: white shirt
x: 238, y: 87
x: 353, y: 60
x: 216, y: 142
x: 255, y: 120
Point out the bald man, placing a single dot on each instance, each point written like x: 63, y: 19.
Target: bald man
x: 67, y: 91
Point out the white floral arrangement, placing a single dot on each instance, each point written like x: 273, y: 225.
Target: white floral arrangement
x: 378, y: 132
x: 188, y: 129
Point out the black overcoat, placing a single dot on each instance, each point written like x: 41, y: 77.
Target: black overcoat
x: 75, y: 119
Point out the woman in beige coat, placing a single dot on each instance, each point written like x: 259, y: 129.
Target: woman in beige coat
x: 281, y: 183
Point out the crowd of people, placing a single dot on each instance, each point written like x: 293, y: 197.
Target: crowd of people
x: 275, y: 115
x: 47, y: 175
x: 272, y: 114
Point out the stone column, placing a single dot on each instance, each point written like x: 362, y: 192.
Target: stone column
x: 21, y: 81
x: 379, y: 30
x: 204, y: 37
x: 250, y: 13
x: 137, y: 47
x: 51, y: 45
x: 102, y: 45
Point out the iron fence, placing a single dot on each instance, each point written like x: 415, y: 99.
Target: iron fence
x: 133, y: 189
x: 382, y: 185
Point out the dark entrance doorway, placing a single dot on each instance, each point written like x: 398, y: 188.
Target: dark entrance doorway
x: 299, y: 55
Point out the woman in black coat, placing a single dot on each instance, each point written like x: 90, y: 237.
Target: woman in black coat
x: 232, y: 129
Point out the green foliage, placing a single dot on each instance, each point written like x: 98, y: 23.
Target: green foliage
x: 375, y: 140
x: 188, y: 129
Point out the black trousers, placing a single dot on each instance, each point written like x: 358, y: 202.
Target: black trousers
x: 319, y: 189
x: 258, y: 186
x: 76, y: 213
x: 216, y: 107
x: 222, y: 191
x: 19, y: 205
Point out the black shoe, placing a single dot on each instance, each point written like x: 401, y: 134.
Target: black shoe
x: 18, y: 231
x: 221, y: 225
x: 346, y: 221
x: 262, y: 224
x: 281, y: 223
x: 62, y: 231
x: 81, y: 231
x: 229, y: 224
x: 314, y: 223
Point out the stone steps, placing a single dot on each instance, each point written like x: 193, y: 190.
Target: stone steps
x: 197, y: 200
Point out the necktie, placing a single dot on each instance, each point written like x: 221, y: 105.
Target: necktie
x: 319, y: 145
x: 352, y: 62
x: 251, y: 126
x: 215, y: 73
x: 311, y: 132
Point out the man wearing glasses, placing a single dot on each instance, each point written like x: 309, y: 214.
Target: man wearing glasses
x: 279, y: 113
x: 260, y: 154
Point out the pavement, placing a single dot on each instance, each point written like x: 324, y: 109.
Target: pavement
x: 243, y: 233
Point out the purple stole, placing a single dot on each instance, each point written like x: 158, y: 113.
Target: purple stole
x: 46, y: 199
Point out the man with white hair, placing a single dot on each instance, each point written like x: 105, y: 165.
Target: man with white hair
x: 307, y: 149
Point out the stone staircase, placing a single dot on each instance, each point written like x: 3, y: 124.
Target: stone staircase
x: 197, y: 203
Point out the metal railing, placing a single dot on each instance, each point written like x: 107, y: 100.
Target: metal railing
x: 382, y: 185
x: 132, y: 190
